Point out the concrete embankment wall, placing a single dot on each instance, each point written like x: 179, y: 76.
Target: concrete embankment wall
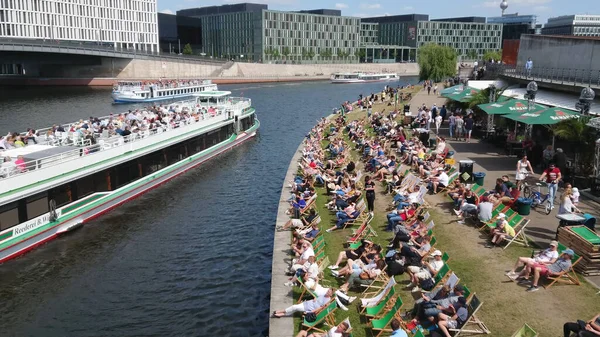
x: 253, y: 70
x: 559, y: 52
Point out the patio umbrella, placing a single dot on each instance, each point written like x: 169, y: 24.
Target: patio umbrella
x: 513, y: 106
x: 543, y: 117
x: 452, y: 90
x: 463, y: 96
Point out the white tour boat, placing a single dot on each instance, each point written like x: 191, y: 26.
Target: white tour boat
x: 63, y: 180
x: 143, y: 92
x: 342, y: 78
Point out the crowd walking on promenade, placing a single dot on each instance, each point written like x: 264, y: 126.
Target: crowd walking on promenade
x: 346, y: 161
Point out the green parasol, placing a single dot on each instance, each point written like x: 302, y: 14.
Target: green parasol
x: 514, y: 106
x: 463, y: 96
x: 544, y: 117
x: 452, y: 90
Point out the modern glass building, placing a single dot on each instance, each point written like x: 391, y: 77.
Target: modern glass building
x: 514, y: 25
x: 465, y: 34
x: 253, y: 32
x: 577, y: 25
x: 130, y: 24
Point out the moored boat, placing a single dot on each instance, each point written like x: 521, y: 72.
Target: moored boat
x: 70, y: 174
x: 344, y: 78
x: 144, y: 92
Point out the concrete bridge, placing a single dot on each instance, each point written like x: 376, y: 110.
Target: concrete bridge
x: 563, y: 79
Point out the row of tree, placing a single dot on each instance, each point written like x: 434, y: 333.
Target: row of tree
x: 310, y: 54
x: 439, y: 62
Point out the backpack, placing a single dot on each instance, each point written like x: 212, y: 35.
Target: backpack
x: 427, y: 284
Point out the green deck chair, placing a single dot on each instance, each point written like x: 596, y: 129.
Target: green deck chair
x: 381, y: 325
x: 441, y: 274
x: 322, y: 316
x: 525, y: 331
x: 377, y: 310
x: 445, y: 257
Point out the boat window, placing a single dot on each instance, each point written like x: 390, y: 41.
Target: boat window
x: 9, y: 215
x: 126, y: 173
x: 37, y: 205
x: 61, y: 194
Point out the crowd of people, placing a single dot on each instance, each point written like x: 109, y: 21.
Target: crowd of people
x: 163, y: 83
x: 87, y: 132
x: 396, y: 157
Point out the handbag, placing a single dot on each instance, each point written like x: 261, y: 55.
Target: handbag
x: 364, y: 275
x: 310, y: 317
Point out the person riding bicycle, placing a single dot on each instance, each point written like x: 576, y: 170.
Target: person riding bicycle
x: 552, y: 175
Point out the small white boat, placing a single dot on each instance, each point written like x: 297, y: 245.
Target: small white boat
x: 341, y: 78
x: 144, y: 92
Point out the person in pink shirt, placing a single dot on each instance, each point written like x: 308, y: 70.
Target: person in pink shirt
x: 20, y: 163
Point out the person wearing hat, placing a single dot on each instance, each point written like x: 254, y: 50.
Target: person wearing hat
x: 547, y: 257
x: 427, y: 271
x: 501, y: 231
x: 562, y: 264
x: 456, y: 321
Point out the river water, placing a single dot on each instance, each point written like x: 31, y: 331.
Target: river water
x: 191, y: 258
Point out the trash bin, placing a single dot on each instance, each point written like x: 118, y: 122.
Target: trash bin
x: 479, y: 178
x: 465, y: 171
x: 524, y: 206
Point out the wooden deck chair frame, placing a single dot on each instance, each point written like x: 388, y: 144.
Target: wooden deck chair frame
x: 394, y: 312
x: 473, y: 325
x: 451, y: 179
x: 324, y: 314
x: 568, y: 276
x: 520, y: 237
x: 384, y: 305
x: 305, y: 291
x: 381, y: 278
x: 492, y: 223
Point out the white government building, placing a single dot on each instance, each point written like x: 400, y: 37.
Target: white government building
x: 127, y: 24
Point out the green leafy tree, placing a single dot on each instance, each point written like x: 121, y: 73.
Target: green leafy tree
x: 361, y: 54
x: 581, y: 137
x: 285, y: 52
x: 472, y: 54
x: 187, y: 49
x: 483, y: 97
x: 275, y: 53
x: 495, y: 55
x: 436, y: 62
x: 310, y: 54
x: 304, y: 53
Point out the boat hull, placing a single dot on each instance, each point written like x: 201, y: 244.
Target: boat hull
x: 118, y: 197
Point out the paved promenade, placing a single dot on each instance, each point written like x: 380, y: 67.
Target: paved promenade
x: 280, y: 294
x: 491, y: 160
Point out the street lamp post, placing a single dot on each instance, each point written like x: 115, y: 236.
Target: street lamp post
x: 585, y: 100
x: 490, y: 118
x: 532, y: 89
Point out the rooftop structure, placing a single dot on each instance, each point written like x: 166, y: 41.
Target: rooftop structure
x: 514, y: 25
x: 126, y: 24
x: 577, y: 25
x: 476, y: 19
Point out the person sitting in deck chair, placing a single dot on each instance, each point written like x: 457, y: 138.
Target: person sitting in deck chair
x: 425, y: 272
x: 306, y: 252
x: 590, y: 328
x: 440, y: 181
x: 547, y: 257
x: 399, y: 216
x: 309, y: 273
x: 455, y: 321
x: 306, y: 306
x: 502, y: 231
x: 365, y: 276
x: 562, y: 264
x: 352, y: 254
x: 303, y: 221
x: 341, y: 330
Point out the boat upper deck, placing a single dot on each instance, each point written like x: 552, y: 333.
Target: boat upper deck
x: 25, y: 156
x: 160, y: 84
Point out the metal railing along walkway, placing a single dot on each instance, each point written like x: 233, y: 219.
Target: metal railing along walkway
x: 563, y: 76
x: 96, y: 49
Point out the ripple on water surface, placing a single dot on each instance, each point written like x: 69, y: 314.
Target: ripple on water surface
x: 191, y: 258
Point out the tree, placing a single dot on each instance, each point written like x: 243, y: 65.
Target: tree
x: 310, y: 54
x: 581, y: 137
x: 275, y: 53
x: 436, y: 62
x: 361, y: 54
x: 483, y: 97
x: 187, y: 49
x: 304, y: 53
x: 285, y: 52
x: 495, y: 55
x: 472, y: 54
x: 395, y: 54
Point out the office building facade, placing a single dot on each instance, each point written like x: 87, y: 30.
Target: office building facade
x: 175, y: 31
x: 576, y: 25
x: 514, y: 25
x: 130, y: 24
x: 253, y: 32
x: 466, y: 35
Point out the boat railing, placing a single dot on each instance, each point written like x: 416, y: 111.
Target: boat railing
x: 84, y: 147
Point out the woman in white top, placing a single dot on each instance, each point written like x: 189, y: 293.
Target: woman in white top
x: 566, y: 205
x: 438, y: 123
x: 523, y: 168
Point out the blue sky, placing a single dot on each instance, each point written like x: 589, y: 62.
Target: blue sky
x: 435, y: 8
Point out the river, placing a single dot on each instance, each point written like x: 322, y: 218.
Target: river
x: 191, y: 258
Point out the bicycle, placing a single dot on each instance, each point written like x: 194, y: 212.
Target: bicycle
x: 536, y: 196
